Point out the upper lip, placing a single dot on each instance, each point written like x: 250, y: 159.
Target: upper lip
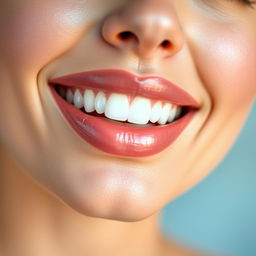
x: 120, y: 81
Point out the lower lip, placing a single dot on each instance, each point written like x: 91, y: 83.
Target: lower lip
x: 118, y: 139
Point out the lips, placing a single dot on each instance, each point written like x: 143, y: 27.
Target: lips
x: 119, y: 139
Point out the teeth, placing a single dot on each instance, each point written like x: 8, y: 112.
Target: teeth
x: 100, y: 102
x: 140, y: 111
x: 156, y: 112
x: 117, y: 107
x: 70, y: 96
x: 178, y: 112
x: 78, y: 99
x: 89, y: 99
x: 165, y: 114
x: 173, y: 113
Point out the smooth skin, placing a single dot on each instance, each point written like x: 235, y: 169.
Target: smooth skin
x: 59, y: 195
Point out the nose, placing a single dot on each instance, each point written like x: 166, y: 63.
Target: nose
x: 149, y: 28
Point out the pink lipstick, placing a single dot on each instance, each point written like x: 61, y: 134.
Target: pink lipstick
x: 118, y: 139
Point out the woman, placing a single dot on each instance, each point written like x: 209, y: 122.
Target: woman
x: 109, y: 110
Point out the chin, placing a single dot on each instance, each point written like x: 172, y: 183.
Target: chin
x: 109, y: 192
x: 113, y: 204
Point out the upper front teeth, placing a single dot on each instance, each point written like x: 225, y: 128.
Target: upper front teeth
x: 140, y: 111
x: 117, y: 107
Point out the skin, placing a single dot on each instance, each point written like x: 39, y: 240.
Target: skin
x: 61, y: 196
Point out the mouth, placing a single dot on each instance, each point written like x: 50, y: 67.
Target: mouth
x: 123, y: 114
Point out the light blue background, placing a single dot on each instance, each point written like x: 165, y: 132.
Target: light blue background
x: 219, y: 214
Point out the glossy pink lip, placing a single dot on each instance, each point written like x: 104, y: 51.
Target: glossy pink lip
x: 119, y: 139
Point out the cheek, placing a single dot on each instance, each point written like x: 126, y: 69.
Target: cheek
x: 37, y: 31
x: 226, y: 59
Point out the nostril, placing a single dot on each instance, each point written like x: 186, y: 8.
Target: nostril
x: 166, y: 44
x: 126, y: 35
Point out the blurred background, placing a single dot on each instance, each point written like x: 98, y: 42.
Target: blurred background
x: 219, y: 214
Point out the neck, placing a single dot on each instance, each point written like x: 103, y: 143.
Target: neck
x: 35, y: 222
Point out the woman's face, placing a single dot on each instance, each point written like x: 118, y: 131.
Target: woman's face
x: 205, y: 47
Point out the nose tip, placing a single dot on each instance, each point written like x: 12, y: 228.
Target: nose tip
x: 146, y: 27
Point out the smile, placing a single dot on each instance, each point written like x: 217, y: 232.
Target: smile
x: 123, y: 114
